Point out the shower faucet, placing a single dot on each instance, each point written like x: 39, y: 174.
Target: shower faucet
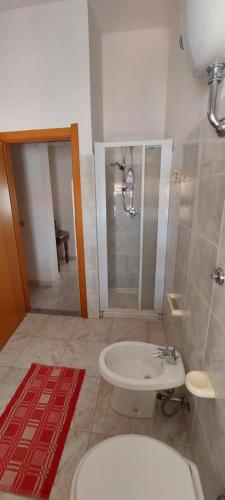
x: 128, y: 182
x: 116, y: 164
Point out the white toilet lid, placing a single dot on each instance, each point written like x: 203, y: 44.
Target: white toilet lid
x: 133, y: 468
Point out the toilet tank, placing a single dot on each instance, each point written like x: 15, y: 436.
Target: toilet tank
x: 203, y: 33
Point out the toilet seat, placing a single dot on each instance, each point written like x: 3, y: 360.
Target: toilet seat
x: 134, y: 467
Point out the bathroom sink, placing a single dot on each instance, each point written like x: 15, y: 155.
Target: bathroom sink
x: 132, y: 370
x: 131, y: 365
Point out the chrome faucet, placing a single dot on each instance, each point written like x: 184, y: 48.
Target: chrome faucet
x: 167, y: 353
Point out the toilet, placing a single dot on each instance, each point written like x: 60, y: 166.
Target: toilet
x: 134, y: 467
x: 136, y: 376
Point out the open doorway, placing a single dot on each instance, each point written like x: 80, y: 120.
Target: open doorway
x: 66, y: 246
x: 44, y: 190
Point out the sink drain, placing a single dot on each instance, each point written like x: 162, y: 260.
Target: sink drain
x: 147, y: 376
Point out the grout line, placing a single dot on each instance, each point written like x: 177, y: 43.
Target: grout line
x: 94, y: 412
x: 194, y: 286
x: 195, y: 233
x: 205, y: 438
x: 213, y: 290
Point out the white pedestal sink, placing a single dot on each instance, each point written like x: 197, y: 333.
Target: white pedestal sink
x: 136, y: 376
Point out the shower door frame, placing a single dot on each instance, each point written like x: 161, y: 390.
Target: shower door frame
x: 166, y: 146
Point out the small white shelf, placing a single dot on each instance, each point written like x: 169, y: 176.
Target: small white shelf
x: 199, y: 384
x: 173, y: 303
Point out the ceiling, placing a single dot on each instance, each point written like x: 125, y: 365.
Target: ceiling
x: 126, y: 15
x: 13, y: 4
x: 117, y: 15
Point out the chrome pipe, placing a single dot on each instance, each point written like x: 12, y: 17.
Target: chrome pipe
x: 216, y: 73
x: 213, y: 91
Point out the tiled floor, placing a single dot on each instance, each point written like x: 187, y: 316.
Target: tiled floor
x: 63, y: 295
x: 119, y: 299
x: 71, y: 341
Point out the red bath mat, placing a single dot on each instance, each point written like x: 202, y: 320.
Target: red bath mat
x: 34, y: 427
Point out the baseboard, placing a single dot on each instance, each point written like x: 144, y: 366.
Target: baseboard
x: 123, y: 290
x: 131, y: 313
x: 42, y: 283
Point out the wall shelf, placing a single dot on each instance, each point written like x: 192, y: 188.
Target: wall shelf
x: 175, y: 310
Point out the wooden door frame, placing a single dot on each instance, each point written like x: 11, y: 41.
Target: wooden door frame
x: 48, y: 135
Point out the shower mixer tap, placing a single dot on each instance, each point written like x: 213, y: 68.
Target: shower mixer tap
x: 128, y: 183
x: 121, y: 166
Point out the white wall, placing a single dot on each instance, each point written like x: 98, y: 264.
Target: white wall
x: 186, y: 105
x: 95, y: 47
x: 45, y: 81
x: 135, y: 84
x: 197, y: 211
x: 34, y: 197
x: 61, y: 184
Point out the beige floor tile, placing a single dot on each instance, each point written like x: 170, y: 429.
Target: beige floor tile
x: 122, y: 299
x: 128, y: 329
x: 86, y: 404
x: 3, y: 370
x: 185, y: 451
x: 106, y: 421
x: 57, y: 341
x: 46, y: 351
x: 75, y: 448
x: 173, y: 431
x: 58, y: 327
x: 9, y: 384
x: 10, y: 496
x: 30, y: 325
x: 13, y: 349
x: 83, y: 355
x: 63, y: 295
x: 97, y: 330
x: 96, y: 438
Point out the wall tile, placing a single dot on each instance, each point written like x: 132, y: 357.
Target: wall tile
x: 218, y: 301
x: 183, y: 245
x: 213, y: 158
x: 214, y: 360
x: 190, y: 161
x: 210, y: 207
x: 197, y: 323
x: 212, y: 414
x: 187, y: 350
x: 180, y: 283
x: 172, y: 233
x: 187, y: 203
x: 202, y: 264
x: 211, y: 482
x: 90, y: 233
x: 222, y: 235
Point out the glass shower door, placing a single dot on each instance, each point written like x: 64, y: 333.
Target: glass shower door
x: 149, y: 226
x: 123, y: 227
x: 132, y: 250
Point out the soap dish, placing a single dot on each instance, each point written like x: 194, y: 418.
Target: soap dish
x: 175, y: 310
x: 199, y: 384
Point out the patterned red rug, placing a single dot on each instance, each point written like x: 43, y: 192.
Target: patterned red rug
x: 34, y: 427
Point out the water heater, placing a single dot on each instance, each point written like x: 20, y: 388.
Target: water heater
x: 203, y: 35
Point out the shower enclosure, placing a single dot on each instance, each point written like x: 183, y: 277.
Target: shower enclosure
x: 132, y: 193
